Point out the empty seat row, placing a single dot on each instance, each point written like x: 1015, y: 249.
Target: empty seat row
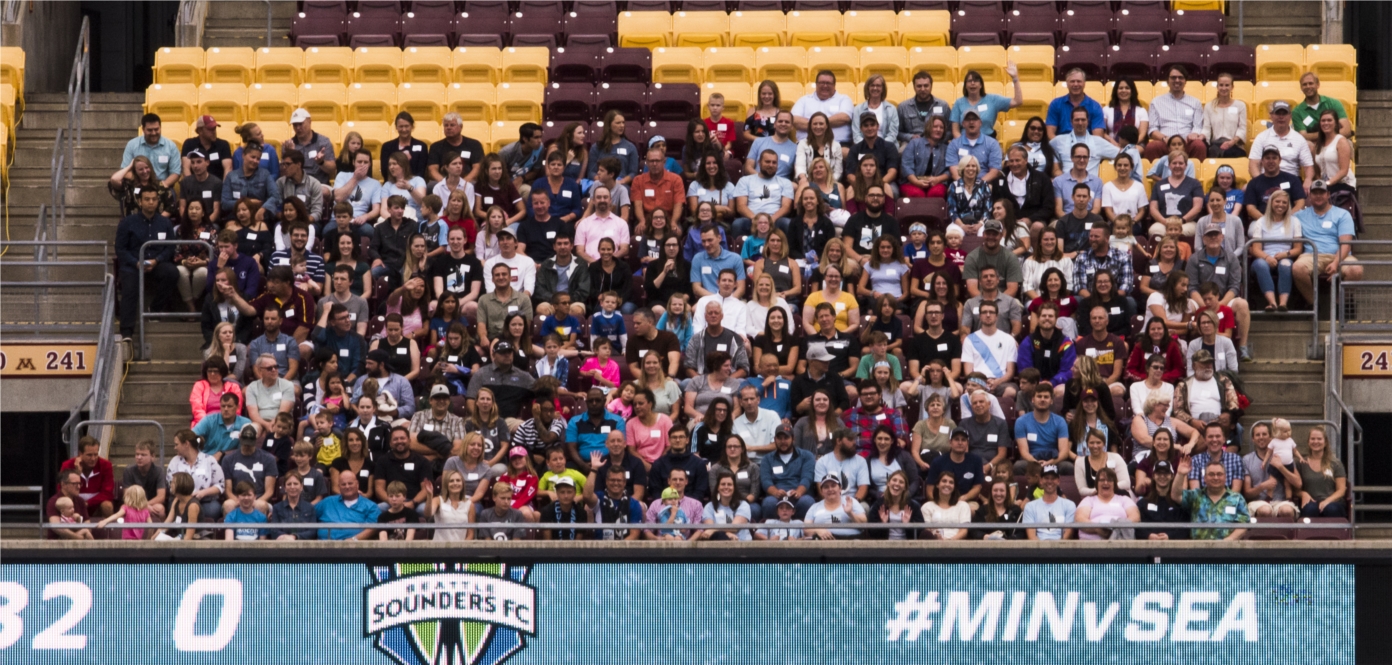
x: 236, y: 103
x: 849, y: 64
x: 450, y: 29
x: 797, y: 28
x: 336, y: 64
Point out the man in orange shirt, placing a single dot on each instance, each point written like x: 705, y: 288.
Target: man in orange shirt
x: 658, y: 188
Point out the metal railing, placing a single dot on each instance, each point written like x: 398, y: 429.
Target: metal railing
x: 189, y: 23
x: 142, y: 351
x: 61, y: 161
x: 98, y: 397
x: 1314, y: 350
x: 76, y: 432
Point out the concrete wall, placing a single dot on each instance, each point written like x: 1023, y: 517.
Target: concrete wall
x: 42, y: 395
x: 48, y: 34
x: 1368, y: 395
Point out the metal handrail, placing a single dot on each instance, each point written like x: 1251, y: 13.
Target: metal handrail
x: 77, y: 430
x: 97, y: 394
x: 1252, y: 525
x: 1314, y: 349
x: 142, y: 351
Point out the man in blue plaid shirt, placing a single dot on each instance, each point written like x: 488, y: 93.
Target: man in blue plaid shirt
x: 1100, y: 255
x: 862, y: 420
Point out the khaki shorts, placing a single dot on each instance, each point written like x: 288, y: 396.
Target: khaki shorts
x: 1275, y: 506
x: 1324, y: 260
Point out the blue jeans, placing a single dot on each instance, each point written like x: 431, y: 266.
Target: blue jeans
x: 362, y: 230
x: 1312, y: 509
x: 770, y: 505
x: 744, y: 225
x: 1262, y: 271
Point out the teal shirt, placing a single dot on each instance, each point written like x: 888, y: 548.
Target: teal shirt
x: 217, y: 436
x: 1230, y: 509
x: 988, y: 107
x: 332, y: 509
x: 164, y: 155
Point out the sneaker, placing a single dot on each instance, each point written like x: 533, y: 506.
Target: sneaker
x: 1245, y: 353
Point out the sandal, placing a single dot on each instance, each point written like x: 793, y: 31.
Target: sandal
x: 1270, y: 308
x: 1281, y: 308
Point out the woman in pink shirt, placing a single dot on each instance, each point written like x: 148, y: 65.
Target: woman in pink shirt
x: 601, y: 368
x: 1106, y: 507
x: 646, y: 432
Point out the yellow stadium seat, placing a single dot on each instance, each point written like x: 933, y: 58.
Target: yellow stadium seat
x: 425, y: 64
x: 757, y: 29
x: 1106, y: 171
x: 325, y: 101
x: 373, y: 133
x: 1036, y: 97
x: 428, y: 131
x: 175, y: 64
x: 701, y: 29
x: 225, y: 101
x: 472, y: 101
x: 898, y: 92
x: 172, y: 102
x: 891, y: 62
x: 277, y: 133
x: 1198, y: 5
x: 229, y: 64
x: 7, y: 105
x: 1209, y: 167
x: 477, y: 64
x: 526, y: 64
x: 520, y: 102
x: 424, y: 101
x: 989, y: 61
x: 938, y: 61
x: 1280, y: 62
x: 328, y: 64
x: 332, y: 132
x: 870, y: 28
x: 1332, y: 62
x: 280, y: 65
x: 671, y: 64
x: 739, y: 98
x: 814, y: 28
x: 1009, y: 131
x: 1268, y: 91
x: 734, y: 63
x: 501, y: 133
x: 1033, y: 62
x: 647, y: 30
x: 843, y: 61
x: 371, y: 102
x: 12, y: 69
x: 925, y: 28
x: 178, y: 132
x: 4, y: 151
x: 785, y: 64
x: 1347, y: 94
x: 272, y: 102
x: 1255, y: 127
x: 377, y: 64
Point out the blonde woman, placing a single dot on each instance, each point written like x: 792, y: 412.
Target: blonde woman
x: 486, y: 244
x: 472, y: 466
x: 764, y: 299
x: 784, y: 271
x: 225, y: 347
x: 452, y: 506
x: 834, y: 254
x: 873, y: 92
x: 819, y: 143
x: 1278, y: 230
x: 830, y: 190
x: 483, y: 418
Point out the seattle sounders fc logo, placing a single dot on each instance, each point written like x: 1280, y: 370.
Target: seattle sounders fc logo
x: 449, y: 614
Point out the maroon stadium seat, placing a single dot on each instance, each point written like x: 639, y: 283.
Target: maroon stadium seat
x: 1198, y: 22
x: 672, y: 130
x: 760, y: 5
x: 375, y: 23
x: 1087, y: 20
x: 674, y: 101
x: 703, y: 6
x: 1033, y: 39
x: 816, y: 6
x: 630, y: 99
x: 1089, y: 52
x: 589, y: 25
x: 932, y: 212
x: 1136, y: 56
x: 650, y: 6
x: 1336, y: 531
x: 1194, y: 58
x: 1273, y: 534
x: 1235, y: 59
x: 1199, y: 38
x: 537, y: 24
x: 319, y: 23
x: 977, y: 18
x: 1028, y: 20
x: 547, y: 41
x: 576, y: 63
x: 1134, y: 17
x: 484, y: 23
x: 429, y: 23
x: 571, y: 101
x: 594, y: 8
x: 976, y: 39
x: 626, y: 64
x: 926, y: 5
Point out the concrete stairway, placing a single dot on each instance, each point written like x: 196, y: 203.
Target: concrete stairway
x: 158, y: 389
x: 1275, y: 22
x: 244, y: 24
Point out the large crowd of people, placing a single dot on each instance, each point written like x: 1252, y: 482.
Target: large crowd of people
x: 738, y: 330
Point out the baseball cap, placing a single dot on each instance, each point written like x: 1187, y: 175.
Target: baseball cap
x: 918, y: 227
x: 785, y: 501
x: 249, y: 432
x: 968, y: 219
x: 300, y: 115
x: 1212, y: 230
x: 956, y: 432
x: 205, y: 121
x: 971, y: 113
x: 1090, y: 392
x: 1048, y: 469
x: 819, y: 352
x: 503, y: 347
x: 830, y: 478
x: 670, y: 493
x: 1319, y: 185
x: 1280, y: 106
x: 1202, y: 356
x: 869, y: 117
x: 505, y: 232
x: 519, y: 451
x: 784, y: 430
x: 656, y: 139
x: 196, y: 153
x: 1163, y: 467
x: 439, y: 390
x: 992, y: 225
x: 567, y: 481
x: 1271, y: 150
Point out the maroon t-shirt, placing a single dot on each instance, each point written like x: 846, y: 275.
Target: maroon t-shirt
x: 51, y: 510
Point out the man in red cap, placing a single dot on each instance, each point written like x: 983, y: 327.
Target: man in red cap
x: 206, y: 141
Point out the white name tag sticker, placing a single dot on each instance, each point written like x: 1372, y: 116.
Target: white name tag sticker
x: 783, y: 158
x: 567, y: 194
x: 942, y: 347
x: 1285, y: 185
x: 1309, y: 121
x: 313, y: 154
x: 1031, y: 437
x: 1232, y: 510
x: 160, y: 235
x: 783, y: 269
x: 726, y: 390
x: 1165, y: 187
x: 623, y: 151
x: 309, y: 482
x: 963, y: 152
x: 1232, y: 110
x: 649, y: 192
x: 343, y: 353
x: 1091, y: 353
x: 705, y: 270
x: 409, y: 466
x: 257, y: 467
x: 164, y: 159
x: 722, y: 347
x: 512, y: 308
x: 1220, y: 270
x: 1189, y: 112
x: 605, y: 429
x: 280, y: 347
x: 231, y: 360
x: 363, y: 473
x: 251, y: 236
x: 976, y: 311
x: 205, y: 235
x: 282, y: 262
x: 1048, y: 353
x: 1116, y: 310
x: 236, y: 194
x: 840, y: 306
x: 944, y: 429
x: 981, y: 108
x: 992, y: 438
x: 1155, y: 268
x: 467, y: 154
x: 743, y: 475
x: 207, y: 193
x: 472, y: 476
x: 402, y: 352
x: 415, y: 148
x: 778, y: 469
x: 879, y: 416
x: 277, y: 396
x: 429, y: 427
x: 1327, y: 225
x: 1222, y: 356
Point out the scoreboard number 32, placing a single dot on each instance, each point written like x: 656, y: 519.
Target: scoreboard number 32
x: 14, y: 598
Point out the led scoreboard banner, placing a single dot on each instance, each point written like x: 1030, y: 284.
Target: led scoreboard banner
x: 491, y: 613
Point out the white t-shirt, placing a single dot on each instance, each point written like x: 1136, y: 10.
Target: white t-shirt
x: 1140, y: 393
x: 1002, y: 348
x: 1264, y: 229
x: 1158, y: 298
x: 1127, y: 202
x: 838, y: 103
x: 1295, y: 151
x: 1109, y: 115
x: 523, y: 271
x: 1205, y: 397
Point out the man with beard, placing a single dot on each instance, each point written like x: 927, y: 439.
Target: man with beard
x: 865, y: 226
x: 681, y: 460
x: 787, y: 474
x: 613, y: 505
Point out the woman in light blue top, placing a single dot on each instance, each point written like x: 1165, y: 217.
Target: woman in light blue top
x: 874, y: 92
x: 400, y: 182
x: 974, y: 98
x: 612, y: 143
x: 269, y: 161
x: 887, y: 272
x: 677, y: 319
x: 712, y: 185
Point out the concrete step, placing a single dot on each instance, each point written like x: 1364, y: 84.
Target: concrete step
x: 90, y: 154
x: 36, y: 192
x: 118, y: 116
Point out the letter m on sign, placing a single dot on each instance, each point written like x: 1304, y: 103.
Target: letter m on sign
x: 958, y: 614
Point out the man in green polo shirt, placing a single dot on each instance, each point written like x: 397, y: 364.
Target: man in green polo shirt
x: 1305, y: 115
